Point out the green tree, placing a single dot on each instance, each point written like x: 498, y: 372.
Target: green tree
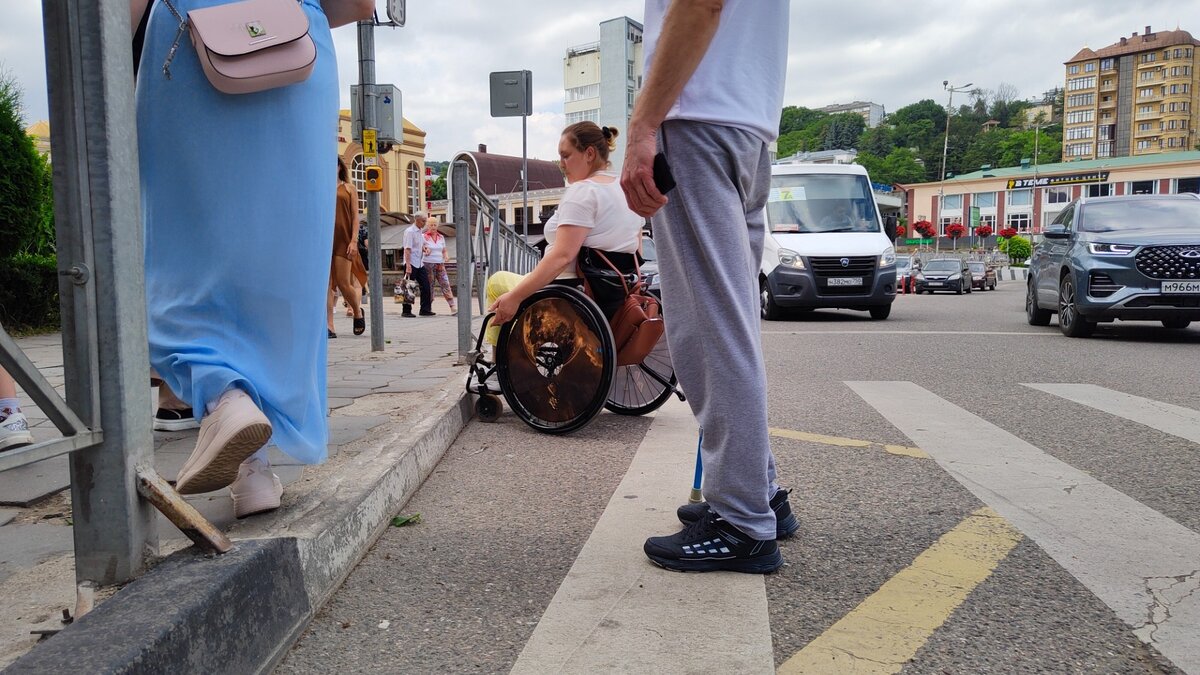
x: 795, y: 118
x: 843, y: 131
x: 1018, y: 249
x: 899, y: 166
x: 24, y: 181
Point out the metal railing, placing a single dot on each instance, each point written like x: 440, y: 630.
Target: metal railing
x: 484, y: 245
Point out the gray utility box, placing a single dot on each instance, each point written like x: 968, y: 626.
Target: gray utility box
x: 387, y: 112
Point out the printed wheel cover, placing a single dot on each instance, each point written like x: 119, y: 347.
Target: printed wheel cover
x: 555, y: 360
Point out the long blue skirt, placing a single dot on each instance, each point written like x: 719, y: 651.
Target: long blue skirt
x: 238, y: 195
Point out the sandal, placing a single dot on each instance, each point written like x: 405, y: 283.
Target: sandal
x: 331, y: 334
x: 360, y: 322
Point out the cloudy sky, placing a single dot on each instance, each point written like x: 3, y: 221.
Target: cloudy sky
x: 893, y: 53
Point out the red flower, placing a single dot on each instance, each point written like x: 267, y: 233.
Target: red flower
x: 983, y: 231
x: 955, y: 230
x: 924, y: 228
x: 1008, y: 232
x: 900, y: 230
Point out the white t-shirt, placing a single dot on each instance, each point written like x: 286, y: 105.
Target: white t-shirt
x: 437, y: 248
x: 602, y: 208
x: 739, y: 82
x: 414, y: 240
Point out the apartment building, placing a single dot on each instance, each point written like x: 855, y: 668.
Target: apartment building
x: 872, y: 113
x: 602, y: 78
x: 1137, y: 96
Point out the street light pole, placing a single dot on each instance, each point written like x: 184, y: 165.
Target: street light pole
x: 937, y: 242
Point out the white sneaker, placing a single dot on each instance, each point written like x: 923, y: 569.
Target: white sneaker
x: 232, y: 432
x: 256, y: 490
x: 14, y: 432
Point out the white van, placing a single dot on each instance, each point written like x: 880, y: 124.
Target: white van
x: 826, y: 246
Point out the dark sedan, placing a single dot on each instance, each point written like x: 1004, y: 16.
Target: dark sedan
x: 1129, y: 257
x: 983, y: 275
x: 944, y: 274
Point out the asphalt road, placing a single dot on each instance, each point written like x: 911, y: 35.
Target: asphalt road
x: 508, y: 510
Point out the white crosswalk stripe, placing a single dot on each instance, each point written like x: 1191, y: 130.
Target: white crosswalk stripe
x: 1142, y: 564
x: 1167, y: 418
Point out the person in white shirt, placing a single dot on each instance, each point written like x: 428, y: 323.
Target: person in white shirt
x: 435, y: 262
x: 592, y: 215
x: 414, y: 264
x: 711, y: 103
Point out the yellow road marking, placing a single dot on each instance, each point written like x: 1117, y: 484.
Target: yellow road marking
x: 901, y: 450
x: 887, y: 628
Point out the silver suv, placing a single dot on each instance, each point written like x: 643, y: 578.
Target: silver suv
x: 1130, y: 257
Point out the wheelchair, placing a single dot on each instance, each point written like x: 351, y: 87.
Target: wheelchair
x: 555, y: 365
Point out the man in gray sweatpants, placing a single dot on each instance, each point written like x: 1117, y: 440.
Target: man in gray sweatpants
x: 711, y: 104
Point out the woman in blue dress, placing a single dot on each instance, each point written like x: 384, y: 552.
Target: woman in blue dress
x: 238, y: 200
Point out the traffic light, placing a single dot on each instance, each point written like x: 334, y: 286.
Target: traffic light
x: 374, y: 179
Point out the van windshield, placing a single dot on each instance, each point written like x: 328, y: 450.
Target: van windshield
x: 821, y: 203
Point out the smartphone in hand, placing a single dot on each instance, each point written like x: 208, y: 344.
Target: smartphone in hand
x: 663, y: 180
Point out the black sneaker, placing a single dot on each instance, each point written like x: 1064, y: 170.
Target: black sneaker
x: 711, y: 544
x: 408, y: 315
x: 175, y: 420
x: 785, y: 521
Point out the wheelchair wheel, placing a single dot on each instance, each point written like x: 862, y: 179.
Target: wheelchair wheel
x: 643, y: 387
x: 488, y: 408
x: 555, y: 360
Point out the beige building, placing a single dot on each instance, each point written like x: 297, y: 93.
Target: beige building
x: 1137, y: 96
x: 1028, y: 197
x: 403, y: 168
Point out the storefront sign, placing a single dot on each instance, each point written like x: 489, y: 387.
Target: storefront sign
x: 1065, y: 179
x: 917, y: 242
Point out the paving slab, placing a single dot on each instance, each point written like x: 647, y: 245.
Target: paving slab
x: 23, y: 546
x: 26, y: 485
x: 6, y: 516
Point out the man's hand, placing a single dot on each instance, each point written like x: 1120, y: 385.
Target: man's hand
x: 637, y: 175
x: 505, y: 307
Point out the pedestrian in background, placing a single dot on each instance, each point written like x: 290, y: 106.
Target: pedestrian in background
x: 14, y: 428
x: 435, y: 262
x: 346, y: 266
x: 712, y: 121
x: 414, y: 264
x: 237, y: 242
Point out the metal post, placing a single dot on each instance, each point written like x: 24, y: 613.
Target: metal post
x: 366, y: 88
x: 460, y: 209
x: 99, y: 232
x: 524, y: 179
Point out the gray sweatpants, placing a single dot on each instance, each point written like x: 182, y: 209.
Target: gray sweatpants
x: 710, y: 243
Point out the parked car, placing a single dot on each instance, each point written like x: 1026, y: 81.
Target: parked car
x: 944, y: 274
x: 983, y: 275
x: 1128, y: 257
x: 904, y: 270
x: 649, y: 266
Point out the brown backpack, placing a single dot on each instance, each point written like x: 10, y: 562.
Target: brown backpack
x: 637, y: 325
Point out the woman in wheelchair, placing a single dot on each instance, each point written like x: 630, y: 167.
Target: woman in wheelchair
x: 555, y: 362
x: 593, y: 214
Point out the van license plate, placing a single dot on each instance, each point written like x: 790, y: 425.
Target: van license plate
x: 845, y: 281
x: 1180, y: 287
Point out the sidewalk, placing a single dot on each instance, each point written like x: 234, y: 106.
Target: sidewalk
x: 392, y: 415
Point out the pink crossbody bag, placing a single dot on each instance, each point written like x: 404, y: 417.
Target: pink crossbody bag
x: 248, y: 46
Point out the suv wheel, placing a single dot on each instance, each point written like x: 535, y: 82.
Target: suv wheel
x: 1177, y: 324
x: 1034, y: 314
x: 881, y: 312
x: 1070, y: 321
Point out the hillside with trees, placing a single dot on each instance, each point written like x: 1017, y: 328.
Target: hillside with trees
x: 991, y: 128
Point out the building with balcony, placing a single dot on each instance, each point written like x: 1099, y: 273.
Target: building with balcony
x: 1137, y: 96
x: 872, y: 113
x: 602, y: 79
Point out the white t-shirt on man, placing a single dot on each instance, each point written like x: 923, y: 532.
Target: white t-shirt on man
x: 739, y: 82
x: 414, y: 240
x: 602, y: 208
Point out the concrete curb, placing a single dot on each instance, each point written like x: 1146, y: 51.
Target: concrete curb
x: 241, y: 612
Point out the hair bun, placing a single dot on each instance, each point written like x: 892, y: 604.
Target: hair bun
x: 606, y: 131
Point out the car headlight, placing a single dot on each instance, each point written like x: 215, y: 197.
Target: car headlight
x: 1110, y: 249
x: 956, y: 275
x: 888, y: 257
x: 791, y: 259
x: 919, y: 277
